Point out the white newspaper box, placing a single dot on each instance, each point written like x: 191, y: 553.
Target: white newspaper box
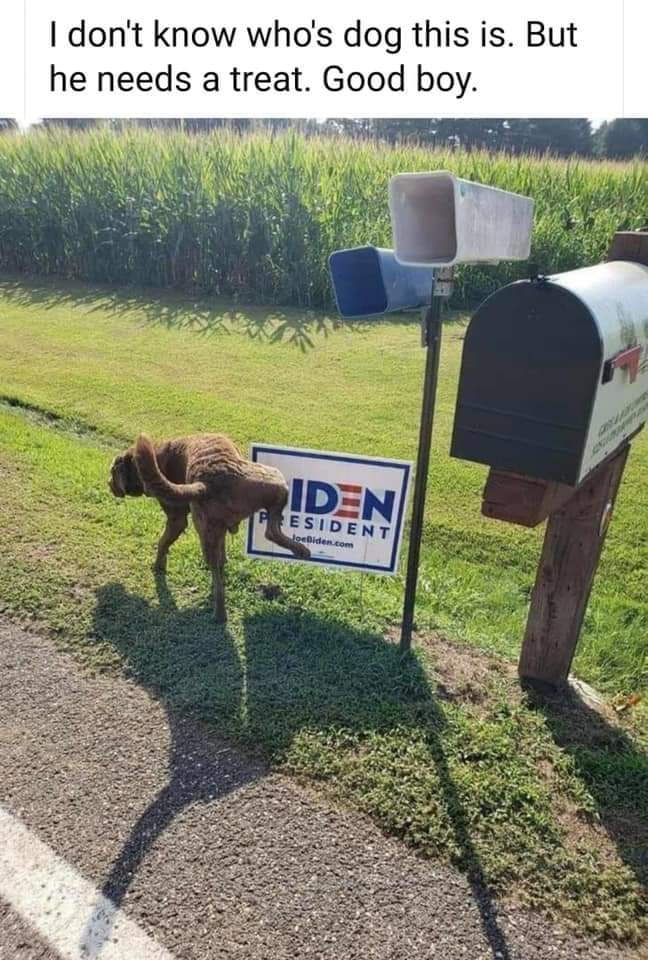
x: 554, y: 375
x: 439, y: 220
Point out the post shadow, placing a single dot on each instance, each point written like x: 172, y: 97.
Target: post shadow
x: 612, y: 765
x: 358, y: 679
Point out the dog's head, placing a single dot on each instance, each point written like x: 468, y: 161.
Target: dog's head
x: 125, y: 480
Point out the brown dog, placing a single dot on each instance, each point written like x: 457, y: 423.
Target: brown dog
x: 206, y: 475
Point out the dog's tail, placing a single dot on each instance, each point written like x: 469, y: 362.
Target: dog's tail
x: 155, y: 483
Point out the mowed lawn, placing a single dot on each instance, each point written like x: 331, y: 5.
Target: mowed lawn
x: 123, y: 364
x: 534, y: 801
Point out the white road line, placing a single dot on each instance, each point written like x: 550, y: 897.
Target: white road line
x: 76, y: 920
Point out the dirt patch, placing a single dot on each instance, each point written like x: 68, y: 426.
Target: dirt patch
x: 41, y: 551
x: 466, y: 675
x: 6, y: 470
x: 582, y: 830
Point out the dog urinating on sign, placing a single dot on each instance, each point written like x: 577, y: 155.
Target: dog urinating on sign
x: 347, y: 510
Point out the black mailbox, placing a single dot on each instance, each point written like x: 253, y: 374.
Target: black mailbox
x: 555, y: 373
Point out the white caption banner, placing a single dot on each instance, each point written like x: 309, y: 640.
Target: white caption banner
x: 155, y: 58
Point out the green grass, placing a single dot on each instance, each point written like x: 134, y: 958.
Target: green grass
x: 538, y: 801
x: 124, y: 363
x: 257, y: 216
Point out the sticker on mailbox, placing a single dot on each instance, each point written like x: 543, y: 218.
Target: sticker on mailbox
x: 348, y: 510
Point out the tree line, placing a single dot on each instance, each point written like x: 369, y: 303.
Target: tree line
x: 616, y: 139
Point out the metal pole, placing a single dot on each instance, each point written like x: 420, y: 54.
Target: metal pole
x: 432, y: 329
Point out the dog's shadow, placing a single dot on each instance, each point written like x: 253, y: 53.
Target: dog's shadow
x: 294, y: 671
x: 185, y: 659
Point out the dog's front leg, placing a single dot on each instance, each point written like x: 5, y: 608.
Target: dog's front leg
x: 176, y: 525
x: 213, y: 543
x: 218, y: 581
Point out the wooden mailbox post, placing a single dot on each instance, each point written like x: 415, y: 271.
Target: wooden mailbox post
x: 578, y: 520
x: 569, y: 450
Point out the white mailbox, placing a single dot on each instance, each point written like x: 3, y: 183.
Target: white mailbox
x: 555, y: 373
x: 440, y: 220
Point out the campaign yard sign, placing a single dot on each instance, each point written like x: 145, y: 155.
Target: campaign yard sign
x: 348, y: 510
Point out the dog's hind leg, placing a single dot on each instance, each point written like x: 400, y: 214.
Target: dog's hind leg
x: 176, y: 524
x: 212, y: 539
x: 275, y: 534
x: 216, y: 561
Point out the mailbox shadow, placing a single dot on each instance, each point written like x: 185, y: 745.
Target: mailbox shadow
x: 301, y: 671
x: 612, y: 765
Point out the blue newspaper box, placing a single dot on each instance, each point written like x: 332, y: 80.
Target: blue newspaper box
x: 368, y: 281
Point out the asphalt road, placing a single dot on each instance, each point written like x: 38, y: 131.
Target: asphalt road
x: 207, y: 851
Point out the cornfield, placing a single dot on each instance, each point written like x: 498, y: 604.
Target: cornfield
x: 256, y: 216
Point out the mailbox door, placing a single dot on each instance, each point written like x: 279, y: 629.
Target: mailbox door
x: 531, y: 364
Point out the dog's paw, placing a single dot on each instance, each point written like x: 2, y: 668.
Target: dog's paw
x: 301, y: 552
